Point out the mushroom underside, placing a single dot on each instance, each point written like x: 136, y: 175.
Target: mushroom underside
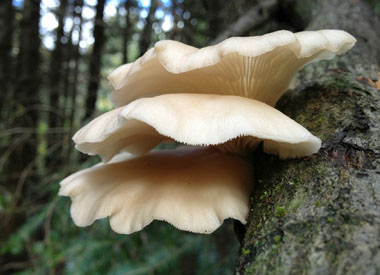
x: 259, y: 67
x: 194, y: 189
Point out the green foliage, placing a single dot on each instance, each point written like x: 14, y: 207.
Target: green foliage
x: 15, y: 244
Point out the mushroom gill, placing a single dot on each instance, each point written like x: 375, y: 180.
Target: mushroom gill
x: 258, y: 67
x: 194, y: 189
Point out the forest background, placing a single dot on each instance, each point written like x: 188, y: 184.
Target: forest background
x: 54, y: 60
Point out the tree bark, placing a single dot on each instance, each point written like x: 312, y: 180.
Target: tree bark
x: 95, y: 61
x: 320, y: 215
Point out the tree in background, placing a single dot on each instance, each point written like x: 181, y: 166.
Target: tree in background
x: 95, y: 61
x: 146, y: 35
x: 56, y: 76
x: 27, y: 83
x: 6, y: 64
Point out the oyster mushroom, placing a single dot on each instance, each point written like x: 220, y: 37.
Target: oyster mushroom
x: 194, y: 189
x: 230, y: 123
x: 258, y: 67
x: 219, y: 97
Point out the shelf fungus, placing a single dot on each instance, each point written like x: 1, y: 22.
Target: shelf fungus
x: 216, y: 101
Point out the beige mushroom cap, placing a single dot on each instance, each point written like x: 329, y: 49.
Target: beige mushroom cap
x: 259, y: 67
x: 193, y: 189
x: 194, y: 119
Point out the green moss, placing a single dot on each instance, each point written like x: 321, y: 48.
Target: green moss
x: 340, y: 84
x: 277, y: 238
x: 245, y: 252
x: 250, y: 270
x: 280, y: 212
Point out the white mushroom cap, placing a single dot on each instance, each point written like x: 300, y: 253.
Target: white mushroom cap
x: 194, y: 119
x: 111, y: 132
x: 194, y: 190
x: 259, y: 67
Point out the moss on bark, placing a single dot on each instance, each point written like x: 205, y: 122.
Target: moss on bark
x: 320, y: 215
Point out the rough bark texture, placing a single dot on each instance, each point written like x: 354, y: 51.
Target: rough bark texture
x: 320, y: 215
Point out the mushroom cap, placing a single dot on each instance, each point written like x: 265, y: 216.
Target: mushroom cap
x: 194, y: 119
x: 193, y: 189
x: 258, y: 67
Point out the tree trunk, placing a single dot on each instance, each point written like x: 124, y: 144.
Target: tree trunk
x: 174, y: 33
x: 216, y: 22
x: 74, y: 84
x: 95, y: 61
x: 146, y: 35
x: 320, y: 215
x: 6, y: 34
x: 127, y: 30
x: 55, y: 75
x: 27, y: 84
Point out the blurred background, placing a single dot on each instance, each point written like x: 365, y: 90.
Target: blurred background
x: 54, y: 60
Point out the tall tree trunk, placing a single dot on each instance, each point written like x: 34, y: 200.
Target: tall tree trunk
x: 68, y: 56
x: 56, y: 76
x: 74, y: 86
x: 28, y: 81
x: 95, y: 61
x: 6, y: 35
x: 127, y: 30
x: 320, y: 215
x: 146, y: 35
x: 26, y: 97
x: 215, y: 22
x: 174, y: 32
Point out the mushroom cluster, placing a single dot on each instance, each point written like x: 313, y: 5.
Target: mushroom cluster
x: 218, y: 102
